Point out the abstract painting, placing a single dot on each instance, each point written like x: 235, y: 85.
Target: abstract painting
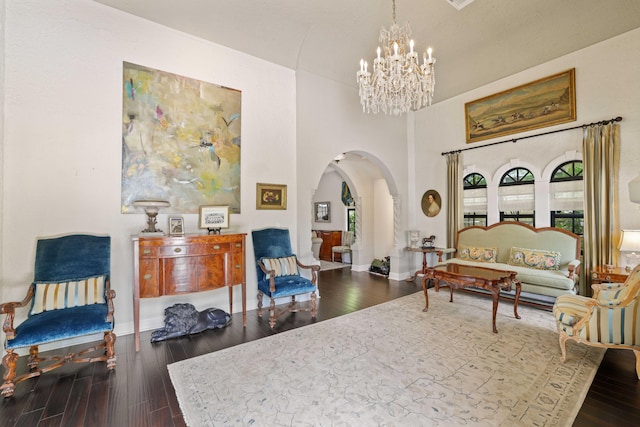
x: 545, y: 102
x: 180, y: 141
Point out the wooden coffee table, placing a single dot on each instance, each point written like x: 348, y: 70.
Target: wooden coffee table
x: 458, y: 276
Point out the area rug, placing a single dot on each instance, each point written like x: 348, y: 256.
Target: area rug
x: 395, y: 365
x: 328, y: 265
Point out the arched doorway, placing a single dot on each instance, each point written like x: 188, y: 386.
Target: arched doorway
x: 374, y: 204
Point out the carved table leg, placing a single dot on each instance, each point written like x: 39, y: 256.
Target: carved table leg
x: 495, y: 290
x: 425, y: 286
x: 517, y: 300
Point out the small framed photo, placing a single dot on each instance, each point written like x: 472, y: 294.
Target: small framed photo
x: 176, y: 226
x: 271, y: 196
x: 213, y: 218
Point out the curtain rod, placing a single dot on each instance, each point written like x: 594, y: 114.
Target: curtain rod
x: 514, y: 140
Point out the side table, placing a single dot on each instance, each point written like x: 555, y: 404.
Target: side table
x: 425, y: 251
x: 604, y: 274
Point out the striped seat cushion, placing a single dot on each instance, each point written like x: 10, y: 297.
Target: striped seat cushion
x: 285, y: 266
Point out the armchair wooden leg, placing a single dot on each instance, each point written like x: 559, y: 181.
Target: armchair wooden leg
x: 9, y: 362
x: 32, y: 361
x: 563, y: 345
x: 109, y: 340
x: 314, y: 306
x: 272, y: 313
x: 259, y: 304
x: 637, y: 353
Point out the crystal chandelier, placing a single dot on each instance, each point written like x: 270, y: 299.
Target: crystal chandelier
x: 398, y: 82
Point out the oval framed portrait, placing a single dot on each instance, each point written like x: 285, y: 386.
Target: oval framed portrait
x: 431, y: 203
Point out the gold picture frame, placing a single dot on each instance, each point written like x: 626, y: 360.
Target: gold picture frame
x: 545, y: 102
x: 271, y: 196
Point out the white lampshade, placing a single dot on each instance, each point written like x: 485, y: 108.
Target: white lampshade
x: 629, y: 241
x: 634, y: 189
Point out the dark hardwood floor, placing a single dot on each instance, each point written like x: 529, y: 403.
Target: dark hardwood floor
x: 139, y: 391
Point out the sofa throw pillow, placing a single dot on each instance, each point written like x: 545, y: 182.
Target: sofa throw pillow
x: 479, y: 254
x: 285, y: 266
x: 534, y: 258
x: 54, y: 296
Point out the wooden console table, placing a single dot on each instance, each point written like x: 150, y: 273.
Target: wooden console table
x: 171, y: 265
x: 459, y: 276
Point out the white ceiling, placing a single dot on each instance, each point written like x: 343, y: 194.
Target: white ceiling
x: 485, y: 41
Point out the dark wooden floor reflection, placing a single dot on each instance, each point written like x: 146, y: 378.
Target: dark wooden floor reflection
x: 139, y: 392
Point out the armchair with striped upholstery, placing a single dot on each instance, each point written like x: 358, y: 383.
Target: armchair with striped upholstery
x: 610, y: 319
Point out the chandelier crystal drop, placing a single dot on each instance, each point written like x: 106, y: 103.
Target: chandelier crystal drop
x: 398, y: 82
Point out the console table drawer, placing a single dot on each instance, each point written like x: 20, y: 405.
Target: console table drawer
x: 192, y: 250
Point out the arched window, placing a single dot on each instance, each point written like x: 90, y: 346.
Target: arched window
x: 474, y: 201
x: 566, y: 197
x: 516, y: 197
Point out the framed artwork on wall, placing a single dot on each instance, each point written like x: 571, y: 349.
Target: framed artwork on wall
x: 431, y: 203
x: 271, y: 196
x: 180, y: 141
x: 544, y: 102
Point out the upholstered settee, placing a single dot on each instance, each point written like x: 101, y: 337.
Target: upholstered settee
x: 546, y: 259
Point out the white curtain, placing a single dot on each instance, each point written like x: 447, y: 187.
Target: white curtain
x: 475, y: 200
x: 516, y: 198
x: 566, y: 196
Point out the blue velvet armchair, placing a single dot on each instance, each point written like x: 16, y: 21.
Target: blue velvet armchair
x: 69, y: 297
x: 278, y: 273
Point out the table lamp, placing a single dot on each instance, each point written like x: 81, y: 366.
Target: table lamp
x: 630, y: 242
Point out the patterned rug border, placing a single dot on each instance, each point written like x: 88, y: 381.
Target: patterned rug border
x: 587, y: 359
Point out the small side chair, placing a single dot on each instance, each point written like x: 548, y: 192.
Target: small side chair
x: 69, y: 297
x: 344, y: 247
x: 278, y: 273
x: 609, y: 319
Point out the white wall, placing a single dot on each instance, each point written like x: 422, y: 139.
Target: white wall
x: 382, y: 220
x: 330, y: 190
x: 606, y: 87
x: 63, y: 140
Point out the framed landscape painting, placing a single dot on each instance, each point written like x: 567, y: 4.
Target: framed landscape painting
x: 545, y: 102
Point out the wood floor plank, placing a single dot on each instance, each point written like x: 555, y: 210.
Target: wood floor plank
x: 76, y: 410
x: 59, y: 396
x: 97, y: 404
